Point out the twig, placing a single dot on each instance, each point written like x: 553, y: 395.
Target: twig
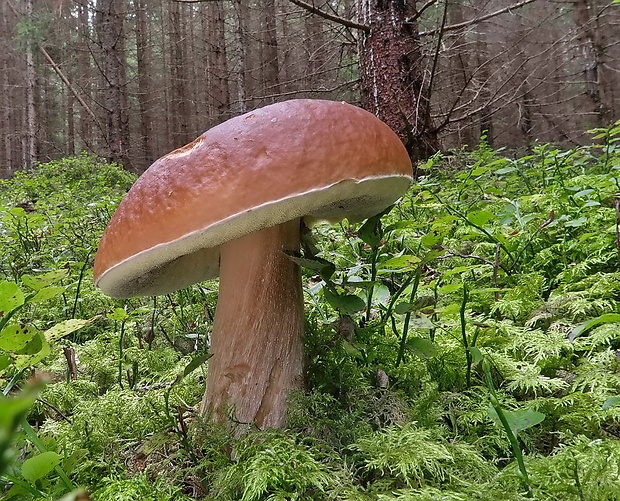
x: 66, y: 81
x: 330, y: 17
x: 464, y: 24
x: 452, y: 253
x: 56, y: 409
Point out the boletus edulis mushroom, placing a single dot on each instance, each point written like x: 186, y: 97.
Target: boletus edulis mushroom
x: 229, y: 204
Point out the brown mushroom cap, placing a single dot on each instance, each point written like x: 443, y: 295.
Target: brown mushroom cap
x: 311, y: 159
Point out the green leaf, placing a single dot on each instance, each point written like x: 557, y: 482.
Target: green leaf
x: 61, y: 329
x: 323, y: 267
x: 476, y: 354
x: 23, y: 361
x: 345, y: 304
x: 16, y: 337
x: 40, y: 465
x: 518, y: 420
x: 402, y: 308
x: 403, y: 263
x: 506, y: 170
x: 610, y: 402
x: 421, y: 322
x: 38, y: 282
x: 431, y: 238
x: 588, y: 324
x: 422, y: 347
x: 448, y: 288
x: 371, y: 232
x: 46, y: 293
x: 460, y: 269
x: 196, y: 362
x: 11, y: 297
x: 35, y: 345
x: 480, y: 217
x: 351, y: 349
x: 118, y: 314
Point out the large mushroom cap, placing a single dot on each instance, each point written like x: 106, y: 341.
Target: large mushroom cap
x: 312, y: 159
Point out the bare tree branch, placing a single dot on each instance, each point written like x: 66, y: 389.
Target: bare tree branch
x: 330, y: 17
x: 464, y: 24
x: 66, y: 81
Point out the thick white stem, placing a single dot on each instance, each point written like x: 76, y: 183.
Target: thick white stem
x: 257, y: 335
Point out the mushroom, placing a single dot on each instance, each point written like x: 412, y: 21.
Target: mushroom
x: 230, y: 203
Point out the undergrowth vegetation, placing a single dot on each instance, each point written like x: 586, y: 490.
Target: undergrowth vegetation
x: 463, y: 345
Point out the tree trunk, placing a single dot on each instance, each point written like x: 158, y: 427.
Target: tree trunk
x: 591, y: 55
x: 110, y: 30
x: 143, y: 53
x: 178, y: 77
x: 30, y: 149
x: 270, y: 67
x: 217, y: 69
x: 392, y: 82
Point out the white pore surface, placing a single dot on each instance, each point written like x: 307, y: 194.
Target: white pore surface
x: 195, y: 257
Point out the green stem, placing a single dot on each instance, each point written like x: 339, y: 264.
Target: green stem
x: 373, y: 277
x: 514, y: 443
x: 36, y: 441
x: 10, y: 479
x: 468, y: 356
x: 120, y: 355
x: 403, y: 339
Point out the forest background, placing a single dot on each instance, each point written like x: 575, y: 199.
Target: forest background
x: 130, y: 80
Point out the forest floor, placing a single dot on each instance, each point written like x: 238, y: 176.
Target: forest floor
x: 467, y: 347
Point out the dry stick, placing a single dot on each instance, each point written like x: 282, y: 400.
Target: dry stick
x: 330, y: 17
x: 69, y: 353
x: 70, y: 87
x: 464, y: 24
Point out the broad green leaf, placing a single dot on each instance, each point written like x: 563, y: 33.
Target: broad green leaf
x: 588, y: 324
x: 11, y: 296
x: 196, y: 362
x: 476, y: 354
x: 38, y: 282
x: 17, y: 336
x: 381, y: 294
x: 480, y: 217
x: 61, y: 329
x: 351, y: 349
x: 422, y: 347
x: 323, y: 267
x: 35, y: 345
x: 448, y: 288
x: 506, y: 170
x: 23, y: 361
x: 345, y: 304
x: 519, y: 420
x: 402, y: 308
x: 460, y: 269
x: 421, y: 322
x: 118, y: 314
x: 610, y: 402
x: 40, y: 465
x: 431, y: 238
x: 12, y: 409
x: 5, y: 361
x: 46, y: 293
x: 575, y: 223
x: 371, y: 232
x: 405, y: 262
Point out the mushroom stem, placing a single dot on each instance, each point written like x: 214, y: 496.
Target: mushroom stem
x: 256, y: 342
